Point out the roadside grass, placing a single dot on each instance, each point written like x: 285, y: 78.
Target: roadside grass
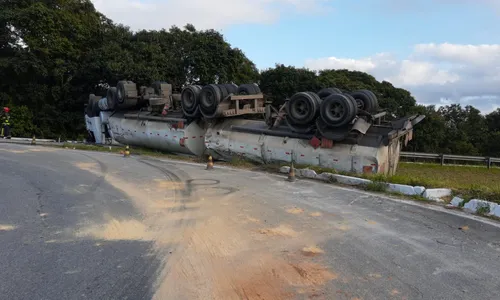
x: 467, y: 182
x: 376, y: 187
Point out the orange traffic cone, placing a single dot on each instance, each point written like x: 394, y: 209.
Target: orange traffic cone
x: 210, y: 163
x: 291, y: 174
x: 127, y: 152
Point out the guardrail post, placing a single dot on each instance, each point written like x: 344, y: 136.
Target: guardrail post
x: 442, y: 159
x: 488, y: 162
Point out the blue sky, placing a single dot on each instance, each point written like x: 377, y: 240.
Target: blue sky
x: 443, y: 51
x: 356, y: 29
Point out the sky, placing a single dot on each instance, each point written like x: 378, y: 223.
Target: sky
x: 442, y: 51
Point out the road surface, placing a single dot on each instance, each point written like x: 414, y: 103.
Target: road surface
x: 87, y: 225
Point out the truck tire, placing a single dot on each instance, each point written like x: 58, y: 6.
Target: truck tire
x: 95, y: 108
x: 336, y: 135
x: 231, y: 88
x: 302, y: 129
x: 302, y: 108
x: 323, y: 93
x: 257, y: 88
x: 247, y: 89
x: 111, y: 96
x: 337, y: 110
x: 121, y: 93
x: 125, y: 90
x: 210, y: 97
x: 223, y: 90
x: 190, y: 99
x: 90, y: 106
x: 374, y: 98
x: 365, y: 100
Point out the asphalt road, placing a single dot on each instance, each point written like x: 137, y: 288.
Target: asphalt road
x: 87, y: 225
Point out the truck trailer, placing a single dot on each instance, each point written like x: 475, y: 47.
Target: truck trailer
x: 345, y: 131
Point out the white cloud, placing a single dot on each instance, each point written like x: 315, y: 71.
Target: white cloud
x: 435, y: 73
x: 203, y: 14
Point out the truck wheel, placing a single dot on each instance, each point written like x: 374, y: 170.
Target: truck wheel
x: 95, y: 108
x: 210, y: 97
x: 90, y: 106
x: 323, y: 93
x: 190, y: 98
x: 231, y: 88
x: 223, y: 90
x: 257, y: 88
x: 365, y: 100
x: 111, y: 97
x: 374, y: 97
x: 247, y: 89
x: 120, y: 91
x: 337, y: 110
x: 303, y: 108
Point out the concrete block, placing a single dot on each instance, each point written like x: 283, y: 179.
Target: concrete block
x: 351, y: 180
x: 475, y: 204
x: 456, y: 201
x: 496, y: 211
x: 493, y: 207
x: 307, y: 173
x: 285, y: 170
x: 436, y: 194
x: 419, y: 190
x: 401, y: 188
x: 326, y: 176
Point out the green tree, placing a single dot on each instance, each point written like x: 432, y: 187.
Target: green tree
x: 22, y: 121
x: 282, y: 82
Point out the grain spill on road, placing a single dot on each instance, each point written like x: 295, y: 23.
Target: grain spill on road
x: 312, y: 251
x: 219, y: 260
x: 222, y: 254
x: 342, y: 227
x: 87, y: 166
x: 115, y: 230
x: 295, y: 211
x: 394, y: 292
x: 313, y: 274
x: 29, y: 150
x: 4, y: 227
x: 15, y: 151
x: 375, y: 275
x: 282, y: 230
x: 272, y: 278
x: 316, y: 214
x: 253, y: 220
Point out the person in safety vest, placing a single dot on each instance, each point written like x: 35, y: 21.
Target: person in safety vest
x: 5, y: 118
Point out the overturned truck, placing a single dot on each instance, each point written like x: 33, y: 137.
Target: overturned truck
x: 346, y: 131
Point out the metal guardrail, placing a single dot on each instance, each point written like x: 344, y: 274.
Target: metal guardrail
x: 444, y: 157
x: 20, y: 139
x: 29, y: 140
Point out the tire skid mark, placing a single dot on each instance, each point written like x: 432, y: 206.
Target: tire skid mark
x: 178, y: 197
x: 100, y: 179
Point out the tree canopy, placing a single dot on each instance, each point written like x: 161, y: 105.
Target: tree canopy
x: 54, y: 53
